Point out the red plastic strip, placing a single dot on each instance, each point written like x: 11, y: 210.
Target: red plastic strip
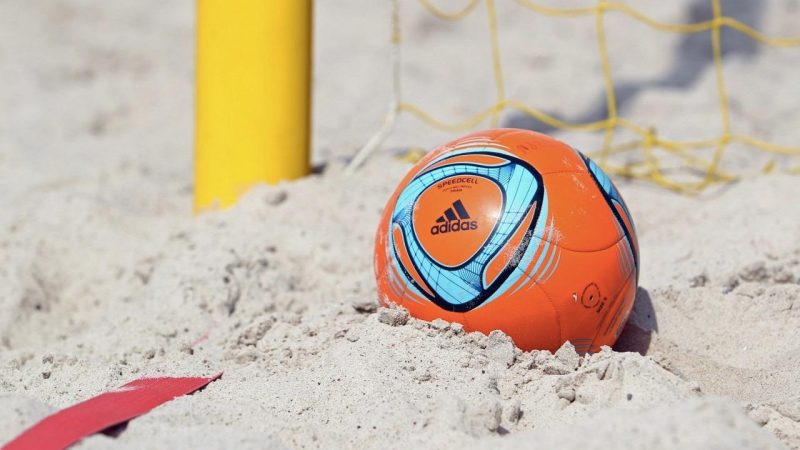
x: 70, y: 425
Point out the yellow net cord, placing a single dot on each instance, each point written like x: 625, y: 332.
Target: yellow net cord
x: 649, y: 141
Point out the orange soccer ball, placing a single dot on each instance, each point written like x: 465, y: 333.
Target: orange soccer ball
x: 511, y: 230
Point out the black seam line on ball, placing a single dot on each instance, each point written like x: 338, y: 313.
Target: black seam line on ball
x: 424, y: 291
x: 614, y: 211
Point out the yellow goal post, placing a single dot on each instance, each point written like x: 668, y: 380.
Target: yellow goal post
x: 253, y: 96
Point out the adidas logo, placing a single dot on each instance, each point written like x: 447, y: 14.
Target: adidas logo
x: 455, y: 218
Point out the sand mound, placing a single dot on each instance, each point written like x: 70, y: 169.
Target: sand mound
x: 311, y: 360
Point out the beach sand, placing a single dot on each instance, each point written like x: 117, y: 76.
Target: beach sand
x: 105, y: 275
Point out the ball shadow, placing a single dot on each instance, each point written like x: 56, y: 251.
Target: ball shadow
x: 638, y: 332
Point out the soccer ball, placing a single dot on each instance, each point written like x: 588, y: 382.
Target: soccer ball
x: 511, y: 230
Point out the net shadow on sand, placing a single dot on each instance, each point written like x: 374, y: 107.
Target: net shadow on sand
x: 691, y: 58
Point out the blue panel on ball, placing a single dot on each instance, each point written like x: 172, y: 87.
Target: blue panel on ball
x: 613, y: 196
x: 462, y: 288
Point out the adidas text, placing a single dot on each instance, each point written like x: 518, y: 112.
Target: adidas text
x: 455, y: 225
